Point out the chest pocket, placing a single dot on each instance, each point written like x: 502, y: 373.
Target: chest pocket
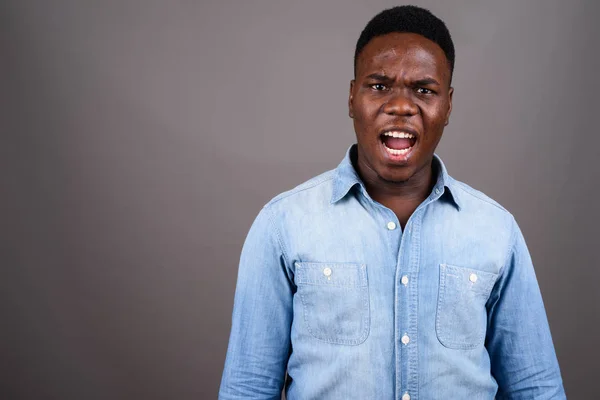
x: 335, y: 301
x: 461, y: 318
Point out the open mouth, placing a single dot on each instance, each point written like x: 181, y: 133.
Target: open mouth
x: 398, y: 143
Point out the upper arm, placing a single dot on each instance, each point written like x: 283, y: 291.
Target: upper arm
x: 523, y: 360
x: 259, y: 342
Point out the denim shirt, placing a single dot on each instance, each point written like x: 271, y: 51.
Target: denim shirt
x: 332, y: 291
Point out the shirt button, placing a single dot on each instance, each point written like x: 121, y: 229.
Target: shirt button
x: 327, y: 271
x: 437, y: 191
x: 473, y: 278
x: 406, y: 396
x: 391, y: 225
x: 404, y: 280
x: 405, y: 339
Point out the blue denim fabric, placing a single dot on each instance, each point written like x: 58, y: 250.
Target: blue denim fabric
x: 331, y: 290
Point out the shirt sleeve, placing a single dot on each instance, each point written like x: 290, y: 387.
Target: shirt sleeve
x: 523, y: 360
x: 259, y: 343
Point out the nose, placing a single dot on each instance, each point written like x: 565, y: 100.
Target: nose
x: 400, y: 103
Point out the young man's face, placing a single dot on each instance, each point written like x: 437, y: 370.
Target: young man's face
x: 402, y: 88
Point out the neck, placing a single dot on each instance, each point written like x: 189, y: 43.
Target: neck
x: 402, y: 197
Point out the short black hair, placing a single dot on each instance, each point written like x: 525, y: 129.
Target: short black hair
x: 411, y: 19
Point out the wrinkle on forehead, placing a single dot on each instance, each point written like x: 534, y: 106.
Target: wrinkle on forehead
x: 415, y: 63
x: 401, y: 51
x: 413, y: 53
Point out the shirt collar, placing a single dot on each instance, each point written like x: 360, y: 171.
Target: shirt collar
x: 346, y: 178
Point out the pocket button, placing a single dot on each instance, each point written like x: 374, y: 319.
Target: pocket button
x: 327, y: 271
x: 473, y: 278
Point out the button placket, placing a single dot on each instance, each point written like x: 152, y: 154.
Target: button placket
x: 408, y: 342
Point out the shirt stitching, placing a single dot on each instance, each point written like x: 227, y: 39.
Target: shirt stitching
x: 301, y: 188
x: 468, y: 190
x: 278, y: 236
x: 511, y: 246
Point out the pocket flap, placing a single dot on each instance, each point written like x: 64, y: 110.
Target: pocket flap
x: 333, y: 274
x: 467, y: 279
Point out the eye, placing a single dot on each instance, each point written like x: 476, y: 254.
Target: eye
x: 423, y: 90
x: 379, y: 87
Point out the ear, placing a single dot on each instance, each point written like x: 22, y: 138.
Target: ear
x: 450, y: 93
x: 350, y: 100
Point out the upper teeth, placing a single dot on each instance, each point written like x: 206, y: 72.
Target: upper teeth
x: 400, y: 135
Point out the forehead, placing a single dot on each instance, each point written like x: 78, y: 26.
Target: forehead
x: 395, y: 52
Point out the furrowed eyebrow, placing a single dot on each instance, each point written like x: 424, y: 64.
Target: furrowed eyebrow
x: 419, y: 82
x: 426, y: 81
x: 379, y: 77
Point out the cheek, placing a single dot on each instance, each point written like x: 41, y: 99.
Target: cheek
x: 434, y: 118
x: 365, y: 113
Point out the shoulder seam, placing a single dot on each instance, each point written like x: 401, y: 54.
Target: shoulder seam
x: 297, y: 190
x: 465, y: 188
x: 511, y: 244
x: 277, y: 234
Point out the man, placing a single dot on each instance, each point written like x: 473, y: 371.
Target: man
x: 386, y: 278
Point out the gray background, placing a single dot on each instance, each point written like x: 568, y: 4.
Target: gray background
x: 140, y: 139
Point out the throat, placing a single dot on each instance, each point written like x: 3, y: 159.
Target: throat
x: 403, y: 209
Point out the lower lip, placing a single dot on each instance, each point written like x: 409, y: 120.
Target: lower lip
x: 397, y: 157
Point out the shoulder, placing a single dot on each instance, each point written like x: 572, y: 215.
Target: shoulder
x: 480, y: 207
x: 313, y: 194
x: 472, y: 198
